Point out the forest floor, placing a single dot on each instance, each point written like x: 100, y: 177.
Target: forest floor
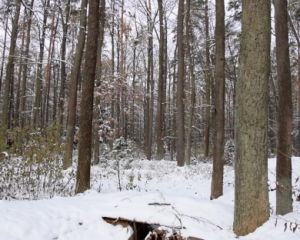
x: 156, y: 192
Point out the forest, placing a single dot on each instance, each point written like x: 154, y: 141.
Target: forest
x: 149, y: 119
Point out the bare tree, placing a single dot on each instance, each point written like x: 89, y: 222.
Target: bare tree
x: 67, y: 162
x: 180, y: 86
x: 38, y: 92
x: 10, y: 68
x: 284, y: 202
x: 25, y: 66
x: 208, y: 83
x: 65, y: 24
x: 160, y: 111
x: 3, y: 53
x: 17, y: 109
x: 192, y: 83
x: 98, y: 79
x: 48, y: 72
x: 86, y: 106
x: 150, y: 86
x: 218, y: 150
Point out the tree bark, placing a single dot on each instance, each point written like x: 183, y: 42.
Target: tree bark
x: 218, y: 150
x: 38, y: 92
x: 284, y: 202
x: 150, y: 88
x: 63, y: 75
x: 48, y: 72
x: 25, y: 68
x: 208, y: 83
x: 192, y: 87
x: 86, y: 107
x: 75, y: 72
x: 112, y: 35
x: 98, y: 79
x: 122, y: 105
x: 174, y: 114
x: 180, y: 86
x: 251, y: 207
x: 10, y: 67
x: 3, y: 54
x: 17, y: 111
x: 298, y: 97
x: 160, y: 112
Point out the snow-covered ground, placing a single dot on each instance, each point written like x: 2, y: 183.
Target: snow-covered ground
x: 186, y: 190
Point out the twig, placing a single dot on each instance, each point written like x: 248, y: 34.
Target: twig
x: 159, y: 204
x: 203, y: 220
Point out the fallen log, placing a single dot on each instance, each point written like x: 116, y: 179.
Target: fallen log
x: 148, y: 231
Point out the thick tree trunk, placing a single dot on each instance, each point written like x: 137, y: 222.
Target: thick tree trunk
x: 284, y: 202
x: 160, y: 112
x: 86, y: 106
x: 180, y: 86
x: 10, y: 67
x: 298, y: 96
x: 75, y: 72
x: 218, y: 151
x: 251, y: 207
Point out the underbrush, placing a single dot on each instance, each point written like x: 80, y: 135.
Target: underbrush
x: 32, y: 167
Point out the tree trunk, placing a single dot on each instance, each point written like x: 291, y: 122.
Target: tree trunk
x: 174, y: 115
x: 208, y: 83
x: 51, y: 64
x: 3, y: 54
x: 160, y: 112
x: 65, y: 24
x: 25, y: 67
x: 122, y: 107
x: 251, y: 207
x: 38, y: 93
x: 180, y: 86
x: 17, y: 112
x: 98, y: 79
x: 75, y: 72
x: 119, y: 126
x: 298, y: 95
x: 112, y: 35
x: 284, y: 202
x: 86, y: 106
x: 218, y: 151
x: 150, y: 88
x: 48, y: 72
x: 192, y: 87
x: 10, y: 67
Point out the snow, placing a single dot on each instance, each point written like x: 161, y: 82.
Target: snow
x: 186, y: 190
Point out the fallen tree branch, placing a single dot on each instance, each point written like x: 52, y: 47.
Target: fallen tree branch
x: 126, y: 222
x: 159, y: 204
